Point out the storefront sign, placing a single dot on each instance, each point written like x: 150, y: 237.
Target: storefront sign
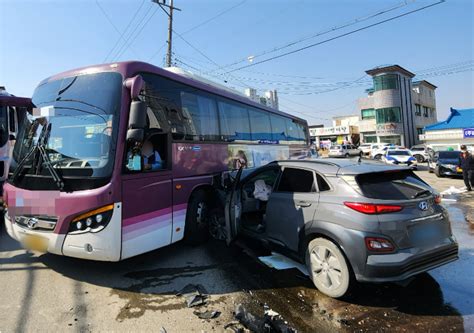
x: 468, y: 133
x: 389, y: 129
x: 326, y: 131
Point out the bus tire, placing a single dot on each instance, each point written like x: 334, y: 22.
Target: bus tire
x: 196, y: 229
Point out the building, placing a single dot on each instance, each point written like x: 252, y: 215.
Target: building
x: 456, y: 130
x: 344, y: 129
x: 396, y: 109
x: 270, y: 97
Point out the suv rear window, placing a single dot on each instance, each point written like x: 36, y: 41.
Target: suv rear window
x: 398, y: 185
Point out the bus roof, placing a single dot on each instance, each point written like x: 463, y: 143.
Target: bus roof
x: 10, y: 100
x: 131, y: 68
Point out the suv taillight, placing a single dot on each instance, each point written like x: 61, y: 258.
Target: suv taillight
x: 372, y: 209
x: 378, y: 244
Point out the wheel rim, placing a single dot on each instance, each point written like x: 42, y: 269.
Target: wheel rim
x: 326, y: 268
x: 216, y: 228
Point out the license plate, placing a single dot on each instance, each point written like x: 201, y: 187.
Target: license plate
x: 35, y: 243
x: 424, y: 234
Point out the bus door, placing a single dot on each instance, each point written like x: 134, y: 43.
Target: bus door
x: 147, y: 211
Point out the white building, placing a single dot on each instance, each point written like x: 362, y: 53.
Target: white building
x: 344, y: 129
x: 396, y: 109
x: 270, y: 97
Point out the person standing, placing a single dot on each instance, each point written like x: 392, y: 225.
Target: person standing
x: 466, y: 163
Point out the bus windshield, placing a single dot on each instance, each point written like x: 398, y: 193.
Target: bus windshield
x: 75, y: 120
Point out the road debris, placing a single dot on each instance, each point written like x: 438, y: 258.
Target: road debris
x: 280, y: 262
x: 207, y: 314
x: 195, y: 295
x: 271, y: 322
x: 453, y: 190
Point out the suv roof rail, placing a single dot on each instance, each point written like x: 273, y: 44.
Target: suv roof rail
x: 310, y: 161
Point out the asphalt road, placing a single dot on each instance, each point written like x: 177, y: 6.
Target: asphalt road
x: 44, y: 292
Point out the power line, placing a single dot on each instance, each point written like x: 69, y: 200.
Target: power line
x: 113, y: 25
x: 336, y: 37
x: 200, y: 25
x: 213, y: 17
x: 321, y: 33
x: 134, y: 34
x: 121, y: 37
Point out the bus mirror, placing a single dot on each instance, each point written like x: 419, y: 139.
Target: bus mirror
x: 135, y: 134
x: 135, y: 85
x: 137, y: 115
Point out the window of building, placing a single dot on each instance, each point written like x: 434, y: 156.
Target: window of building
x: 432, y: 112
x: 260, y: 126
x: 201, y: 113
x: 234, y: 120
x: 368, y: 114
x: 385, y: 82
x: 426, y: 111
x: 296, y: 180
x: 417, y: 110
x: 388, y: 115
x: 419, y: 130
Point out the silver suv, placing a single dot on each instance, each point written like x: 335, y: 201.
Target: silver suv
x: 347, y: 221
x: 344, y: 151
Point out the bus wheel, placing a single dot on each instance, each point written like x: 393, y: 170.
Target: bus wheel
x: 196, y: 230
x: 217, y: 228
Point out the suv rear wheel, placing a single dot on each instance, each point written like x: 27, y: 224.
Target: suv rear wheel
x: 328, y: 268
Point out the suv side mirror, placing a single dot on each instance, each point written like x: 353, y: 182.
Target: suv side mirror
x: 137, y: 121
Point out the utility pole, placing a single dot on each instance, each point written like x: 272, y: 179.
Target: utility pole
x: 162, y: 4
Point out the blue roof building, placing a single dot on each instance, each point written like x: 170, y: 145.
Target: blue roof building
x: 456, y: 130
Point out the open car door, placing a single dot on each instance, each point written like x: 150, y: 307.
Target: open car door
x: 233, y: 209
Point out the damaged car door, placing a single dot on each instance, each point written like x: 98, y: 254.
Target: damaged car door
x: 233, y: 209
x: 291, y: 206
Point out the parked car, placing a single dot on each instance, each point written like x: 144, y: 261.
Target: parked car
x: 420, y: 152
x: 366, y: 148
x: 400, y: 157
x: 445, y: 163
x: 377, y: 153
x: 344, y: 151
x: 347, y: 221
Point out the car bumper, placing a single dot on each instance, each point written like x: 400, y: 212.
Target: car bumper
x: 406, y: 263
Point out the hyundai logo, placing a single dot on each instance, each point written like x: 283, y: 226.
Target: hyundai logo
x: 31, y: 223
x: 423, y: 205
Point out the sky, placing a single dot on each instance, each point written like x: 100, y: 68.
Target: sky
x: 39, y: 38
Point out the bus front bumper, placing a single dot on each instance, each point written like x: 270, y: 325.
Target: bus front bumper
x: 102, y: 246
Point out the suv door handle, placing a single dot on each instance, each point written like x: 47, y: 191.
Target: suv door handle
x: 303, y: 204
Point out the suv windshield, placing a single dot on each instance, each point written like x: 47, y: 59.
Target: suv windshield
x: 79, y: 116
x: 398, y: 185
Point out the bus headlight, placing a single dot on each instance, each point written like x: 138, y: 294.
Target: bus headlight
x: 93, y: 221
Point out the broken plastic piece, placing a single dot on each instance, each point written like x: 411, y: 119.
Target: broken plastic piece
x: 195, y: 295
x: 279, y: 261
x: 207, y: 314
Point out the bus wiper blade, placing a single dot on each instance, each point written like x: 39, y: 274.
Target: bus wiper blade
x: 47, y: 161
x: 420, y: 193
x: 22, y: 163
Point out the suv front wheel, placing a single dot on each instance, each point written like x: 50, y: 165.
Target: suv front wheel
x: 328, y: 268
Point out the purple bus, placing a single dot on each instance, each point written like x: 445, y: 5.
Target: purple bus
x: 120, y: 159
x: 12, y: 111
